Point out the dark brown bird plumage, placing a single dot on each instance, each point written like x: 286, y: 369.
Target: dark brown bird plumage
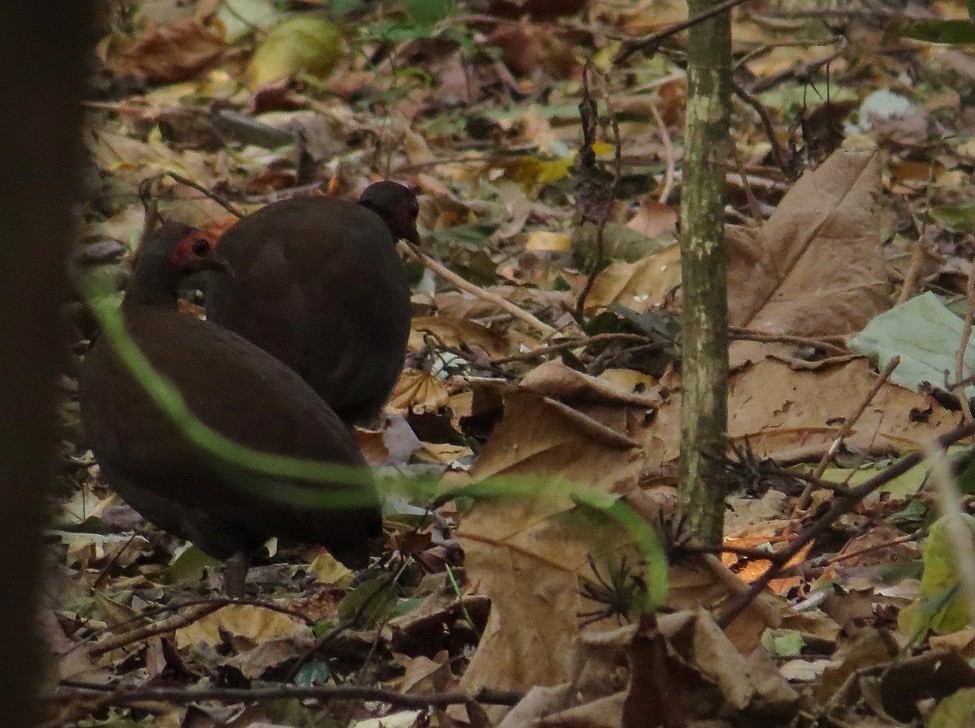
x: 319, y: 285
x: 235, y: 388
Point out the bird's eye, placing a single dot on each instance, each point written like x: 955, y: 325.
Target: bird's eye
x: 414, y: 208
x: 201, y: 247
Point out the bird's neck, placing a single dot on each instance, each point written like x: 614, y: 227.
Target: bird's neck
x: 153, y: 283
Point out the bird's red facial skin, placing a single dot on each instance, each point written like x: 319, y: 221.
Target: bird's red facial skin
x: 196, y: 252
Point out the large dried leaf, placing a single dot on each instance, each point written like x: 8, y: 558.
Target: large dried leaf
x: 793, y: 415
x: 815, y: 267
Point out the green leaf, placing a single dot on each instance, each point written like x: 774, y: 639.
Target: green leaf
x: 312, y: 674
x: 924, y: 334
x: 945, y: 32
x: 428, y: 12
x: 344, y: 7
x: 956, y: 710
x: 957, y: 218
x: 783, y: 642
x: 369, y: 603
x: 241, y: 17
x: 188, y: 565
x: 940, y: 606
x: 405, y: 606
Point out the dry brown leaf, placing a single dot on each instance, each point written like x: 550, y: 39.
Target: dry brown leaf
x: 394, y: 444
x: 629, y: 380
x: 425, y: 675
x: 794, y: 415
x: 654, y: 218
x: 637, y: 286
x: 815, y: 267
x: 170, y: 53
x: 417, y: 390
x: 556, y: 380
x: 539, y: 436
x: 520, y: 553
x: 255, y: 662
x: 454, y: 332
x: 443, y: 453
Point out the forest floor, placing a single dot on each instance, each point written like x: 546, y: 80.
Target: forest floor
x: 545, y: 349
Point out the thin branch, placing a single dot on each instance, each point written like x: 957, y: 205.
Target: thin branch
x: 767, y: 125
x: 236, y: 212
x: 966, y: 334
x: 844, y: 432
x: 150, y: 630
x: 464, y: 285
x: 959, y: 533
x: 821, y: 344
x: 668, y: 154
x: 574, y: 343
x: 650, y: 43
x: 183, y: 696
x: 913, y: 271
x: 587, y: 160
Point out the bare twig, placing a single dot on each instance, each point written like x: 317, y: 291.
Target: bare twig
x: 150, y: 630
x: 587, y: 159
x: 573, y: 343
x: 183, y: 696
x: 236, y: 212
x: 801, y: 70
x: 844, y: 432
x: 913, y: 270
x: 464, y: 285
x: 966, y: 334
x: 650, y: 43
x: 753, y: 205
x: 668, y: 154
x: 821, y: 344
x: 766, y: 120
x: 959, y: 532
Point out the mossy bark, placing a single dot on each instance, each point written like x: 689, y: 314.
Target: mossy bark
x: 704, y: 362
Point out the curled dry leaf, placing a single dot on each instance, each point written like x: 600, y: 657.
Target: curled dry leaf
x: 794, y: 415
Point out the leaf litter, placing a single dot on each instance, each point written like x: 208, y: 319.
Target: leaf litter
x: 859, y: 200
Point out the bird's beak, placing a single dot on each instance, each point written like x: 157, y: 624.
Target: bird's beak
x: 219, y: 263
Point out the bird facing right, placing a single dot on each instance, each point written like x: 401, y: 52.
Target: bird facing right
x: 319, y: 285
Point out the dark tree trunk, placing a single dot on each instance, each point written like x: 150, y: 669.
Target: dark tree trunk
x: 42, y: 62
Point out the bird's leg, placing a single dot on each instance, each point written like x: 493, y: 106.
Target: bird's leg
x: 235, y: 574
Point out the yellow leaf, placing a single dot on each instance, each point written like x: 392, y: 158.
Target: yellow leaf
x: 309, y: 43
x: 239, y: 620
x: 327, y: 570
x: 544, y: 240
